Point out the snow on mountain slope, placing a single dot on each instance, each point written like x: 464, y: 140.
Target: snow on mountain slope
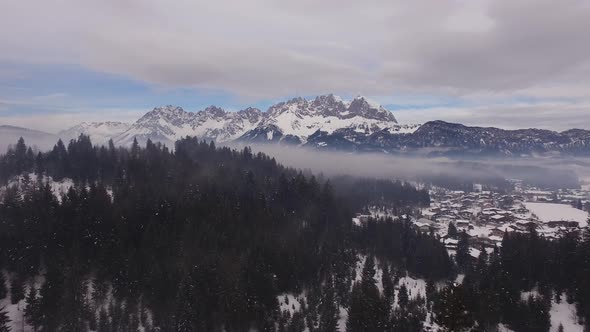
x: 100, y: 132
x: 169, y: 123
x: 217, y: 124
x: 330, y: 123
x: 301, y: 118
x: 164, y: 124
x: 290, y: 122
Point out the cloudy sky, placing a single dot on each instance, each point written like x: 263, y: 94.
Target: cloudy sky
x: 501, y: 63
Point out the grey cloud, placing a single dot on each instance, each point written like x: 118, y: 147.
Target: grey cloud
x: 553, y: 116
x: 266, y: 48
x: 530, y: 42
x: 262, y: 49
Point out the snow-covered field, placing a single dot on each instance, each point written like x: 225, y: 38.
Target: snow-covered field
x: 547, y: 212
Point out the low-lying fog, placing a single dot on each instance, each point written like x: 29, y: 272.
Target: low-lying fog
x: 545, y: 172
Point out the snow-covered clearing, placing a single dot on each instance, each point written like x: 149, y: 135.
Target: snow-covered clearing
x: 58, y: 188
x: 565, y: 314
x: 290, y: 302
x: 415, y: 287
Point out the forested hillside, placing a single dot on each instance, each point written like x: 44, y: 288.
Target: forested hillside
x: 214, y: 239
x: 204, y: 238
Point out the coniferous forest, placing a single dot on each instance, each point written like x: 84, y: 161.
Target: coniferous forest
x: 206, y: 238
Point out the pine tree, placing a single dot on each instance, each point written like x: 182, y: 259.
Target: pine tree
x: 4, y: 320
x: 482, y: 262
x: 388, y: 286
x: 20, y: 154
x: 103, y: 321
x: 17, y: 290
x: 451, y: 310
x: 3, y: 289
x: 184, y: 318
x: 32, y: 312
x: 135, y: 148
x: 51, y: 294
x: 328, y: 308
x: 356, y: 318
x: 368, y: 311
x: 452, y: 231
x: 402, y: 296
x: 74, y: 304
x: 463, y: 257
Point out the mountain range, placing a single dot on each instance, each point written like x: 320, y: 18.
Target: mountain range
x: 325, y: 123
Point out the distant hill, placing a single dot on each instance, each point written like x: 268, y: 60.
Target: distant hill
x: 34, y: 138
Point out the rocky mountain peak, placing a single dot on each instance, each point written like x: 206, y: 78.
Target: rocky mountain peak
x: 361, y: 106
x: 252, y: 114
x: 214, y: 111
x: 169, y: 113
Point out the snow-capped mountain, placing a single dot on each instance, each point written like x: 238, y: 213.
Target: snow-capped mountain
x: 100, y: 132
x: 299, y: 118
x: 286, y: 122
x: 169, y: 123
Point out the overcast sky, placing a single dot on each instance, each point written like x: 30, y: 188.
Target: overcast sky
x: 497, y: 63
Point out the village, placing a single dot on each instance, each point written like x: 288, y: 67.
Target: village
x: 486, y: 216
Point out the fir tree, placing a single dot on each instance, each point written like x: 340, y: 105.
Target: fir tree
x: 463, y: 258
x: 402, y: 296
x: 328, y: 308
x: 452, y: 231
x: 17, y: 290
x: 103, y: 321
x: 3, y: 289
x: 185, y: 317
x: 388, y: 286
x: 4, y: 320
x: 451, y: 310
x: 368, y: 311
x: 32, y: 310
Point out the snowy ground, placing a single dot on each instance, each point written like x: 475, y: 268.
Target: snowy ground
x: 561, y: 313
x: 16, y: 311
x: 565, y: 314
x: 58, y: 188
x: 290, y: 302
x: 555, y: 212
